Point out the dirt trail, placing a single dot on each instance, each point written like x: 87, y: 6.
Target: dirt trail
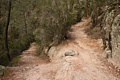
x: 74, y: 59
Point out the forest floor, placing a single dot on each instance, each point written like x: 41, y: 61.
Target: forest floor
x: 84, y: 63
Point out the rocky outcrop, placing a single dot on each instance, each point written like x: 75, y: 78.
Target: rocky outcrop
x: 111, y: 33
x: 106, y: 32
x: 115, y: 38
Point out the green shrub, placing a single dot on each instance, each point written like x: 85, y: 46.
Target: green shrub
x: 3, y: 59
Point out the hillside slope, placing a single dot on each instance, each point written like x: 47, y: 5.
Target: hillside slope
x: 78, y: 58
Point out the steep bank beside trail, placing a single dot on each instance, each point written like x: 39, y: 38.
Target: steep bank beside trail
x: 77, y: 58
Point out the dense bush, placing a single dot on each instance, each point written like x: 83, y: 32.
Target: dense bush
x: 55, y: 18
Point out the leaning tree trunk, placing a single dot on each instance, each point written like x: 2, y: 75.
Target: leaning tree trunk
x: 6, y: 31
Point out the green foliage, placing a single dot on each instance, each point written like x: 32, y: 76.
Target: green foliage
x: 54, y: 18
x: 3, y: 59
x: 19, y: 40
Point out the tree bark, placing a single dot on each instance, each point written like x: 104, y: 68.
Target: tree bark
x: 6, y: 31
x: 25, y: 21
x: 86, y: 8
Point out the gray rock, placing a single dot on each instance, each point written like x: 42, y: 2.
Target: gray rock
x: 2, y: 68
x: 70, y: 53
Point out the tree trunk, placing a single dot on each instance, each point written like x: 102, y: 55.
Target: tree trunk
x: 6, y: 31
x: 25, y: 21
x: 0, y: 5
x: 86, y: 8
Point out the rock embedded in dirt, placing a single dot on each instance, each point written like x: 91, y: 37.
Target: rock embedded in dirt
x: 70, y: 53
x: 52, y: 52
x: 2, y: 70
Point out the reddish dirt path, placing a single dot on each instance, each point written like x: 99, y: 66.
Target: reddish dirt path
x: 84, y: 64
